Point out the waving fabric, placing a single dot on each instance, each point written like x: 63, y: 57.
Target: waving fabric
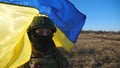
x: 15, y: 47
x: 15, y: 18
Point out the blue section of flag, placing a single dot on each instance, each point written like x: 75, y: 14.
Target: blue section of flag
x: 62, y: 12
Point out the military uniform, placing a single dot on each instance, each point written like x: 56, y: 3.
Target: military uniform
x: 47, y: 61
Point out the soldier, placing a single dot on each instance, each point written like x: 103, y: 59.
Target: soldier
x: 44, y: 51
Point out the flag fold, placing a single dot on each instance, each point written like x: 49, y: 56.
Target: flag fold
x: 17, y: 15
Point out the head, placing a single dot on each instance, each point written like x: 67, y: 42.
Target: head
x: 41, y: 32
x: 42, y: 22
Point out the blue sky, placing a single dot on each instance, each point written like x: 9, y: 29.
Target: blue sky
x: 101, y: 14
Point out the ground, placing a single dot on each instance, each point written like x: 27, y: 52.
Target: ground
x: 96, y: 49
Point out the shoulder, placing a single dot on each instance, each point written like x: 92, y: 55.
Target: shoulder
x: 63, y: 57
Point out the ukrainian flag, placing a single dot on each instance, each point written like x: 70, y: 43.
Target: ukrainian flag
x: 15, y: 18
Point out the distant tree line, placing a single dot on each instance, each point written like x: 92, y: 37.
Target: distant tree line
x: 98, y: 32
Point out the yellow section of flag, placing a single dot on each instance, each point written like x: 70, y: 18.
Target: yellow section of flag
x: 62, y: 41
x: 15, y: 48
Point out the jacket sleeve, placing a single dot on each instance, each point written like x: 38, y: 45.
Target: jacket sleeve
x: 64, y: 60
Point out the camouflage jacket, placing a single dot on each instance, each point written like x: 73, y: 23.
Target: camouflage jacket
x: 47, y: 61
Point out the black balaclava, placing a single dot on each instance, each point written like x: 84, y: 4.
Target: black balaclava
x: 40, y: 42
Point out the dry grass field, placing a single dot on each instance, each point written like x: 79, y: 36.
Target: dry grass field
x: 96, y: 49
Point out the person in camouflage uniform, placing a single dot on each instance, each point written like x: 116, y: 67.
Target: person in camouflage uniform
x: 44, y: 51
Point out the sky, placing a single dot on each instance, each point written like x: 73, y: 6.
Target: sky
x: 102, y: 15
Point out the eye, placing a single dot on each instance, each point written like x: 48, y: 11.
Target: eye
x: 40, y: 32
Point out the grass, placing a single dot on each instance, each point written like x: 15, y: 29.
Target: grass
x: 96, y: 49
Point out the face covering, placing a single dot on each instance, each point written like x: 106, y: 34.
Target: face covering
x: 40, y: 42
